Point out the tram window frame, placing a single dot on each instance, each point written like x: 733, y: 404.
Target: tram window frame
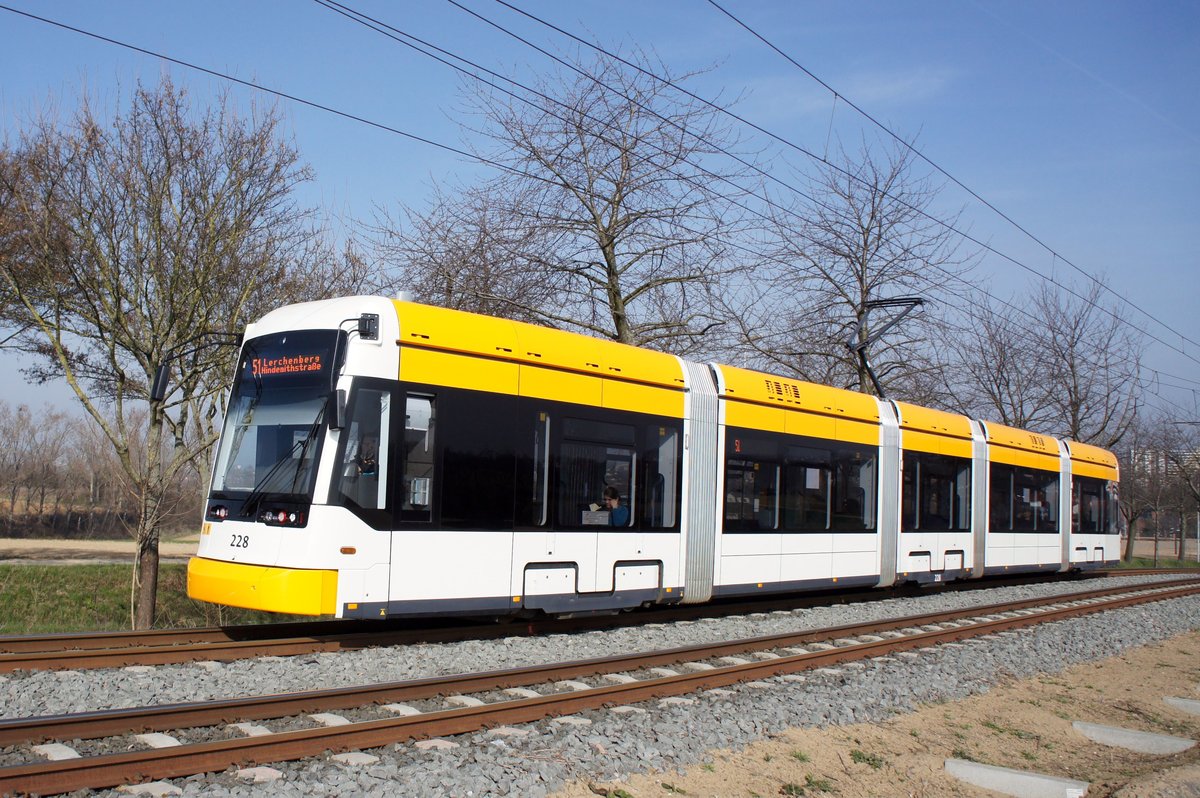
x: 1000, y: 498
x: 1099, y: 491
x: 425, y: 469
x: 844, y: 499
x: 539, y: 491
x: 661, y: 466
x: 591, y: 455
x: 346, y: 489
x: 807, y: 494
x: 942, y: 476
x: 476, y: 460
x: 848, y: 461
x: 1032, y: 495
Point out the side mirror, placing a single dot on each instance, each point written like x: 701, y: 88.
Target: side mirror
x: 337, y: 402
x: 368, y: 326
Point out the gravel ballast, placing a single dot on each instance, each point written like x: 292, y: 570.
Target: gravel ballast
x: 603, y: 744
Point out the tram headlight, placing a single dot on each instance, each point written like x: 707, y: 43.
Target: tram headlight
x: 282, y: 517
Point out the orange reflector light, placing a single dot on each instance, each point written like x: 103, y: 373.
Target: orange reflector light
x: 351, y: 606
x: 516, y: 599
x: 348, y: 550
x: 760, y: 584
x: 670, y: 589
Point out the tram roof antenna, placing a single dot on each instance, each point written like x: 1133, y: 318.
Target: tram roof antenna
x: 906, y: 304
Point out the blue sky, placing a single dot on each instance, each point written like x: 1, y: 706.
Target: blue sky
x: 1079, y: 119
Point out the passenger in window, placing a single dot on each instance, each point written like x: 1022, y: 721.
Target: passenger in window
x: 617, y: 515
x: 367, y: 459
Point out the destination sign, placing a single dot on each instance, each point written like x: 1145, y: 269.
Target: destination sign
x: 298, y: 357
x: 293, y: 364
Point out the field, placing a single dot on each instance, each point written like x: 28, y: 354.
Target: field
x: 36, y: 599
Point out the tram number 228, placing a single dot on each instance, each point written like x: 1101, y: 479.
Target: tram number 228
x: 240, y: 542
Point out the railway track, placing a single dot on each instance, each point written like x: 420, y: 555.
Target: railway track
x: 174, y: 646
x: 505, y: 697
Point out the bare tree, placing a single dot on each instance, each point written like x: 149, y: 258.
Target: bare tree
x: 147, y: 241
x: 465, y: 253
x: 996, y: 366
x: 1092, y: 364
x: 610, y: 218
x: 866, y: 232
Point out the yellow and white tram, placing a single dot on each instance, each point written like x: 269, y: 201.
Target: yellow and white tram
x: 384, y: 458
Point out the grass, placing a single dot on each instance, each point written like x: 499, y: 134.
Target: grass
x: 1163, y: 562
x: 874, y: 761
x: 43, y: 599
x: 1020, y: 734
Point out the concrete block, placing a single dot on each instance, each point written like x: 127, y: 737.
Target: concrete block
x: 1018, y: 783
x: 733, y: 660
x: 1142, y: 742
x: 403, y: 710
x: 508, y: 731
x: 522, y: 692
x: 329, y: 719
x: 259, y: 775
x: 155, y: 789
x: 436, y: 744
x: 56, y: 752
x: 619, y: 678
x: 250, y: 729
x: 572, y: 720
x: 355, y: 759
x: 463, y: 701
x: 1188, y: 705
x: 156, y: 740
x: 570, y: 684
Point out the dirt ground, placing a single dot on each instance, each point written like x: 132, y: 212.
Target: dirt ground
x: 1024, y: 725
x: 53, y: 550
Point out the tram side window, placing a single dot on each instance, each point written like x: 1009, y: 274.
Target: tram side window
x: 751, y: 484
x: 1110, y: 501
x: 807, y: 499
x: 854, y: 487
x: 1000, y: 498
x: 1034, y: 500
x: 363, y: 481
x: 936, y: 493
x: 592, y: 457
x: 750, y: 491
x: 477, y: 457
x: 1090, y: 507
x: 660, y: 463
x: 416, y: 501
x: 539, y: 465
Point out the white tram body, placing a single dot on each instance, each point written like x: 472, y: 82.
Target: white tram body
x: 384, y: 458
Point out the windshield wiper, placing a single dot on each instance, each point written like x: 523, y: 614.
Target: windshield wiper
x: 260, y: 487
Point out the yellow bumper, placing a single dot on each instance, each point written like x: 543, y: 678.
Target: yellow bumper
x: 260, y: 587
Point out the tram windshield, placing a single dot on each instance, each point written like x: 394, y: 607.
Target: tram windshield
x: 277, y: 413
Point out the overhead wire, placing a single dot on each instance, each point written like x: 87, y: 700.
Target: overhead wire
x: 904, y: 143
x: 275, y: 92
x: 820, y: 159
x: 371, y: 123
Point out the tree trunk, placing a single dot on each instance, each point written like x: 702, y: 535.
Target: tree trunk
x: 145, y: 572
x: 145, y: 579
